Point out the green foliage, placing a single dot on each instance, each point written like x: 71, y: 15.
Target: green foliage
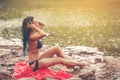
x: 107, y: 40
x: 104, y: 33
x: 8, y: 33
x: 9, y: 9
x: 93, y: 36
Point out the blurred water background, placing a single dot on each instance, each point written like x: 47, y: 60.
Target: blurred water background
x: 94, y: 23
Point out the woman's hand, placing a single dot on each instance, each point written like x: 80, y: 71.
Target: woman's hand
x: 31, y: 26
x: 38, y: 24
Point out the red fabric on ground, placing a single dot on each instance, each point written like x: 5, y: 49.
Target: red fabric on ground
x: 23, y: 70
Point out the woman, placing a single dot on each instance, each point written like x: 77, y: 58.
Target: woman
x: 32, y: 32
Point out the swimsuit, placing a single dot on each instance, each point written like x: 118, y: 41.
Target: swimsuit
x: 36, y: 64
x: 39, y: 45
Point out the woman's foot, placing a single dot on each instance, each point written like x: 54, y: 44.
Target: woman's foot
x: 80, y: 65
x: 75, y: 68
x: 83, y: 64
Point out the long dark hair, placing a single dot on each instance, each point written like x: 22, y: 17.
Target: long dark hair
x: 26, y: 32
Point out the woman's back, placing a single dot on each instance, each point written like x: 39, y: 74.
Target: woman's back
x: 33, y: 51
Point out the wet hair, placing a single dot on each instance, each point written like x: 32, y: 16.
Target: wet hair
x: 26, y: 32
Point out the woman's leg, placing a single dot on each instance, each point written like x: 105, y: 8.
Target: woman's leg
x: 52, y: 51
x: 47, y: 62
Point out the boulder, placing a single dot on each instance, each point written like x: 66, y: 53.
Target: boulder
x: 101, y: 67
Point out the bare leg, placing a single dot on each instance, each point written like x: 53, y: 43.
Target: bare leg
x: 47, y: 62
x: 52, y: 51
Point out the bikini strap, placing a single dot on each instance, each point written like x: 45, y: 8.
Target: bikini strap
x: 30, y: 63
x: 36, y: 64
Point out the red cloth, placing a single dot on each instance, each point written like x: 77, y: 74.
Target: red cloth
x: 23, y: 70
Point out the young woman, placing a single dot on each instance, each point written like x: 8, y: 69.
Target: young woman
x: 32, y: 33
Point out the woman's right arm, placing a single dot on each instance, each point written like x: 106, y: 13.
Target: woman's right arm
x: 38, y: 34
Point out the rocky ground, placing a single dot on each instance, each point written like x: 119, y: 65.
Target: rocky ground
x: 101, y: 67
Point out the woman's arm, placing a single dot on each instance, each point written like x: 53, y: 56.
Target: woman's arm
x: 39, y: 24
x: 37, y: 34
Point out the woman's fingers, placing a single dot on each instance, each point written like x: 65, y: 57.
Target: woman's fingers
x: 30, y: 22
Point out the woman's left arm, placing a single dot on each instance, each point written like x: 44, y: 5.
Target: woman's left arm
x: 41, y: 24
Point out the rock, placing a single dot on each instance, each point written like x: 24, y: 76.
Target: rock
x: 96, y: 58
x: 87, y: 74
x: 75, y: 78
x: 11, y: 42
x: 8, y: 64
x: 17, y: 41
x: 118, y: 78
x: 4, y: 52
x: 11, y: 69
x: 30, y: 78
x: 4, y: 74
x: 101, y: 67
x: 99, y: 53
x: 82, y: 50
x: 50, y: 79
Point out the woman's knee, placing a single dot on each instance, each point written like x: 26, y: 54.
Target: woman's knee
x: 58, y: 60
x: 57, y: 48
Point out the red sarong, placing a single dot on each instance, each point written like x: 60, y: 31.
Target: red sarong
x: 23, y: 70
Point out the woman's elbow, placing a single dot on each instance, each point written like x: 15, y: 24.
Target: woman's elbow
x: 43, y: 34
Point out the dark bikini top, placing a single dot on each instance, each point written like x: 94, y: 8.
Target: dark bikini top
x: 39, y: 44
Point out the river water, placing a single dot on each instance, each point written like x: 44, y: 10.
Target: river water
x: 104, y: 22
x: 73, y: 16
